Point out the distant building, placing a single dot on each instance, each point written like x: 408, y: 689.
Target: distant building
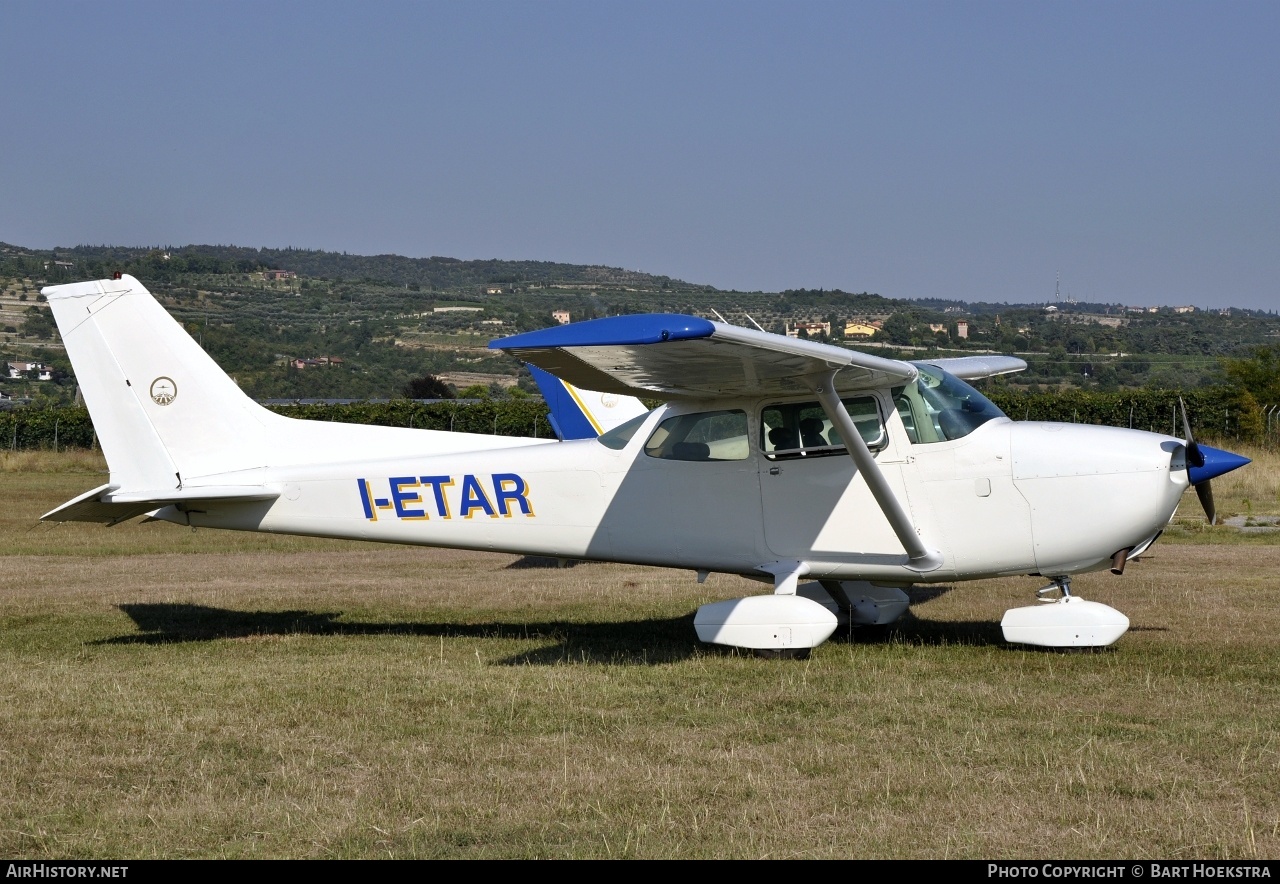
x: 937, y: 326
x: 493, y: 290
x: 962, y: 329
x: 560, y: 316
x: 316, y: 362
x: 1051, y: 309
x: 279, y: 274
x: 1184, y: 309
x: 22, y: 369
x: 811, y: 329
x: 856, y: 329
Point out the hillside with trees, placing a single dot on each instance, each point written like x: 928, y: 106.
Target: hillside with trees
x: 295, y: 323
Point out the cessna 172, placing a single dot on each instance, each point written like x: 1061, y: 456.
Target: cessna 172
x: 772, y: 458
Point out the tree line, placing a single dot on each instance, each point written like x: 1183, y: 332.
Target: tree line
x: 1221, y: 413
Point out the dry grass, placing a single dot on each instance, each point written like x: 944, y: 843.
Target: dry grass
x: 170, y: 694
x: 1254, y: 488
x: 88, y: 463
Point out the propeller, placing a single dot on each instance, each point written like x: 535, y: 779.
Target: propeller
x: 1205, y: 463
x: 1195, y: 460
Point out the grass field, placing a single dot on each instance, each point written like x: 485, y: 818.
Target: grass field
x: 170, y: 693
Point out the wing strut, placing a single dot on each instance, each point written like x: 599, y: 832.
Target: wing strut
x: 920, y: 557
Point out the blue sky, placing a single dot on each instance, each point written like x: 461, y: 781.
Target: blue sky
x: 914, y: 149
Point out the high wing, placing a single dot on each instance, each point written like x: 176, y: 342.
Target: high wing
x: 973, y: 368
x: 671, y: 356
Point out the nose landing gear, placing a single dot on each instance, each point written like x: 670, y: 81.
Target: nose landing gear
x: 1060, y: 585
x: 1066, y: 621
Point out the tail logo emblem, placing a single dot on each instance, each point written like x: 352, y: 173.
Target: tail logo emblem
x: 163, y: 391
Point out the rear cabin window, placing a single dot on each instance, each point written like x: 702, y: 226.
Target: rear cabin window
x: 705, y: 436
x: 619, y: 436
x: 801, y: 429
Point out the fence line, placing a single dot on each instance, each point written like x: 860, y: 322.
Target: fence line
x: 1213, y: 412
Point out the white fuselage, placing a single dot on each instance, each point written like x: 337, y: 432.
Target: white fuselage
x: 1009, y: 498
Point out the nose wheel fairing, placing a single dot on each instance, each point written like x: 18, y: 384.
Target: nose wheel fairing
x: 1064, y: 622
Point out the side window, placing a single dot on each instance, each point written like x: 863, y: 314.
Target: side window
x: 939, y: 407
x: 708, y: 435
x: 619, y: 436
x: 802, y: 429
x: 908, y: 407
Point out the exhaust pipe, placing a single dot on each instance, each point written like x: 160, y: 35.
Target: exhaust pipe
x: 1119, y: 559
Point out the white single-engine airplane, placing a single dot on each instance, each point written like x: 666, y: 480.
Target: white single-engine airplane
x: 773, y: 458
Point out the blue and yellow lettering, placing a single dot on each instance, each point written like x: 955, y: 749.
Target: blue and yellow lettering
x: 474, y: 498
x: 365, y: 501
x: 409, y: 503
x: 438, y: 484
x: 402, y: 497
x: 508, y: 487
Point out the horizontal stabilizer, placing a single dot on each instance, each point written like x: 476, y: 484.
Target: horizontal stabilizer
x: 107, y: 505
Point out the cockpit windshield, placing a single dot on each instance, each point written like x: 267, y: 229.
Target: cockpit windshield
x: 939, y: 407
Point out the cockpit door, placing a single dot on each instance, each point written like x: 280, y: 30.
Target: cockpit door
x: 814, y: 502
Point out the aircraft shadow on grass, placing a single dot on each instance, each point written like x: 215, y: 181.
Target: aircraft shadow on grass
x: 542, y: 562
x: 651, y: 641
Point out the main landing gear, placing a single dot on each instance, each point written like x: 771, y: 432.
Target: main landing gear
x: 1064, y: 621
x: 798, y: 616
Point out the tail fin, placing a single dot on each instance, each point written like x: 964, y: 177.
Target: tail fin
x: 581, y: 414
x: 164, y: 412
x: 176, y: 429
